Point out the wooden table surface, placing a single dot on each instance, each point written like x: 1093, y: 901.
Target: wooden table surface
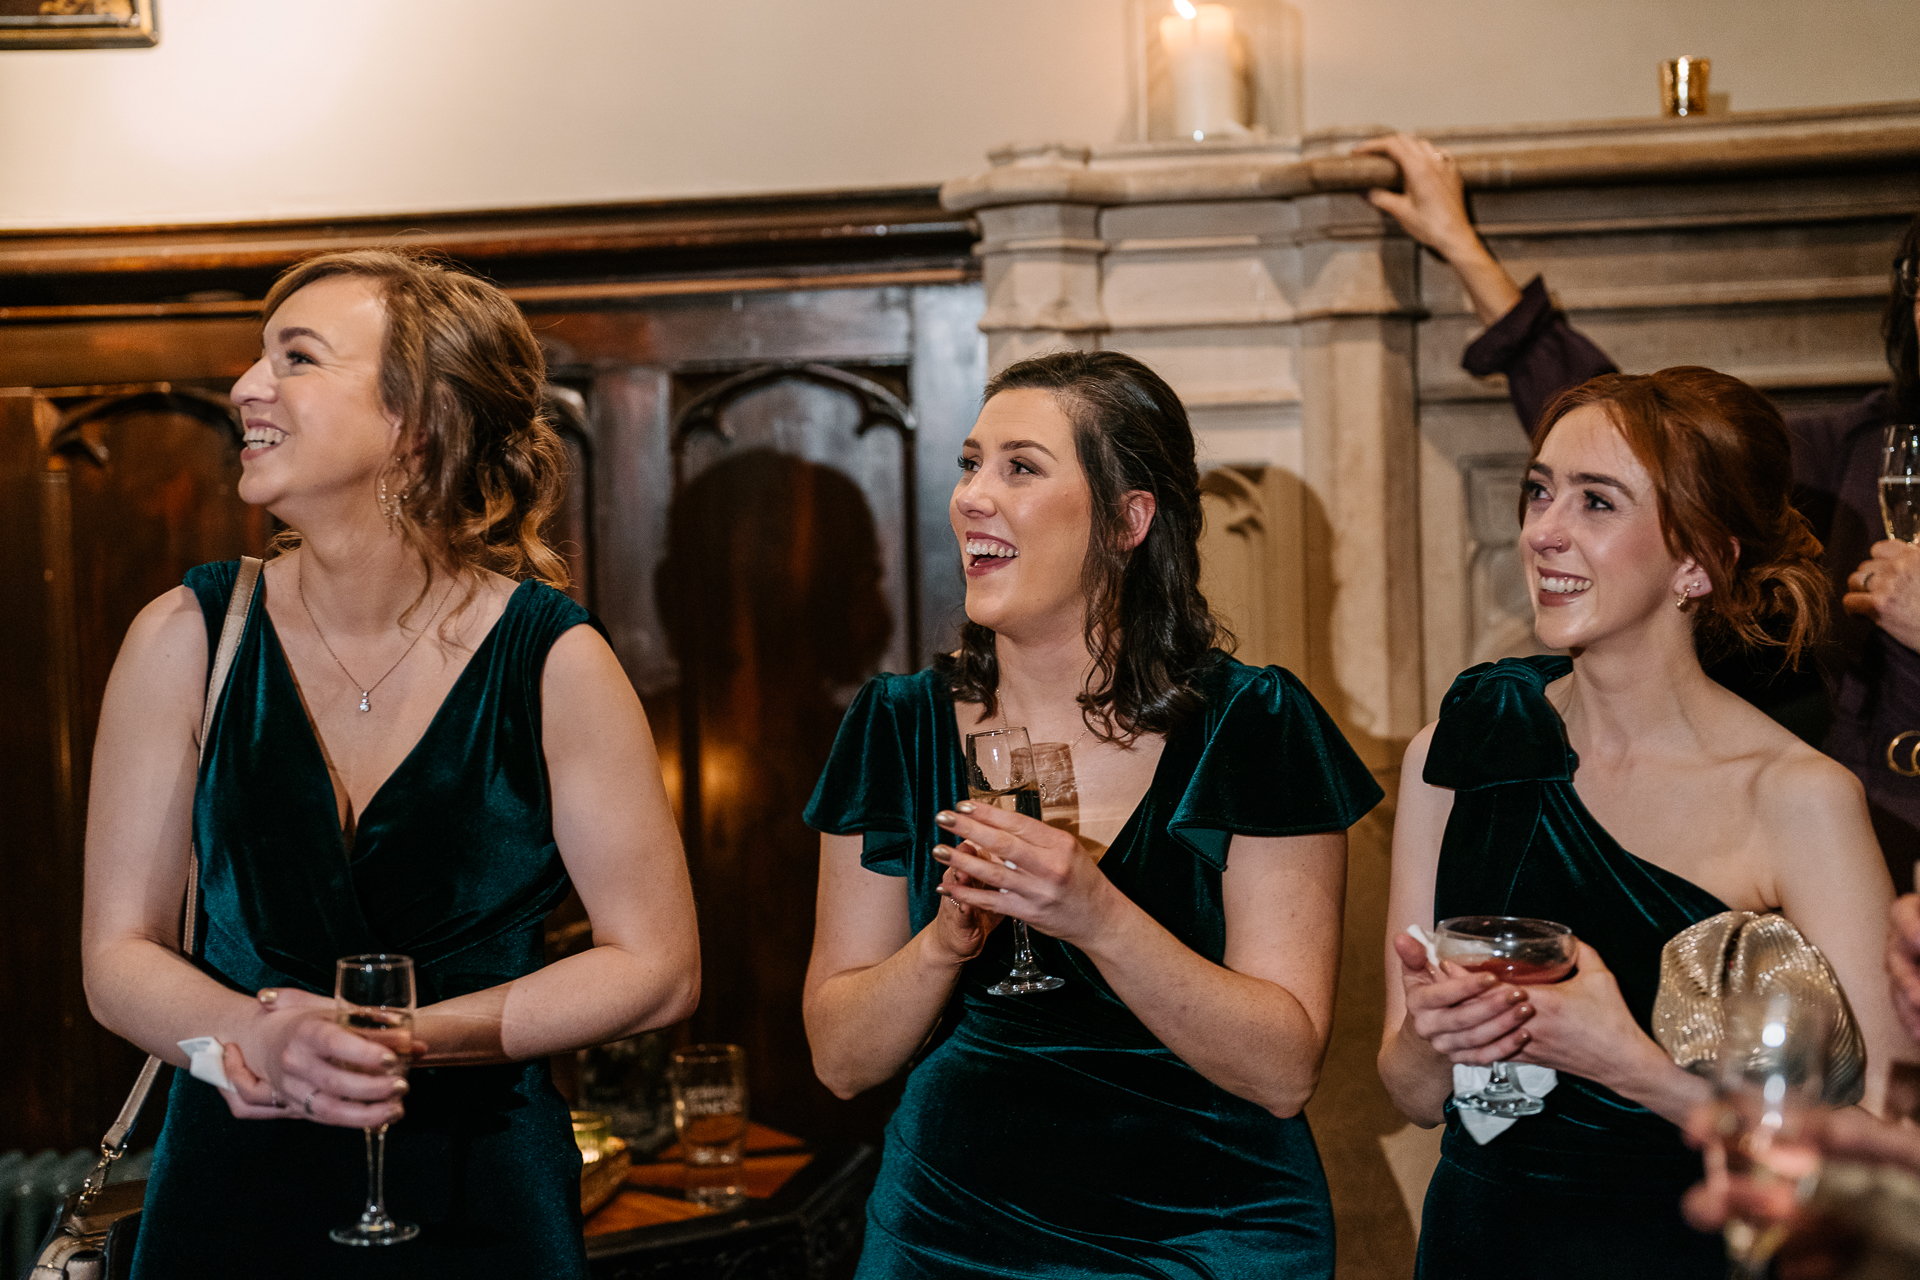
x: 655, y: 1192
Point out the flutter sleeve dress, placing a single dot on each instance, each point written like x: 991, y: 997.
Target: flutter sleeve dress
x: 1052, y: 1135
x: 453, y: 863
x: 1589, y: 1189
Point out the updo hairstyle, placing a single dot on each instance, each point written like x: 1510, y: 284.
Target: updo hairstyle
x: 1719, y: 457
x: 1147, y: 625
x: 479, y: 470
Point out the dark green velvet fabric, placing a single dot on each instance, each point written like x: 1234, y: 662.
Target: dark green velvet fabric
x: 1052, y: 1135
x: 1590, y: 1187
x: 453, y: 863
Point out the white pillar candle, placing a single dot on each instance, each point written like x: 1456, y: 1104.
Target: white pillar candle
x: 1204, y: 67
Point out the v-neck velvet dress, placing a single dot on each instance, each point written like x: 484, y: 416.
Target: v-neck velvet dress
x: 1591, y: 1187
x: 453, y: 862
x: 1052, y: 1135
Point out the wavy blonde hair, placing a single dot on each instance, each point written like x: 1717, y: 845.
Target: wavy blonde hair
x: 479, y: 465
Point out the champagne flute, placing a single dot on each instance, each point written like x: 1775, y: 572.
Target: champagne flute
x: 1000, y: 773
x: 1513, y: 949
x: 373, y: 997
x: 1768, y: 1080
x: 1900, y: 482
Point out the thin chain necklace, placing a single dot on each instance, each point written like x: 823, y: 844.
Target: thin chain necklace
x: 300, y: 589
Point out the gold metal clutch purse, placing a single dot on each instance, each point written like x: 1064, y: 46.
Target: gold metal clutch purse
x: 1740, y: 951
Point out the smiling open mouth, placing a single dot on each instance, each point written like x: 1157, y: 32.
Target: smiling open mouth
x: 1563, y: 586
x: 982, y: 550
x: 263, y: 437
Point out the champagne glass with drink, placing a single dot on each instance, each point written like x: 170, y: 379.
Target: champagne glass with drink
x: 373, y: 997
x: 1000, y: 773
x: 1900, y: 482
x: 709, y: 1084
x: 1513, y: 949
x: 1769, y: 1075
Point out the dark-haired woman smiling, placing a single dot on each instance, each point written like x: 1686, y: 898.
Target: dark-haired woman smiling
x: 1144, y: 1118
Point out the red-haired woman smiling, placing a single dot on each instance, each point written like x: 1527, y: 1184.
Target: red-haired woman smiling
x: 1620, y: 792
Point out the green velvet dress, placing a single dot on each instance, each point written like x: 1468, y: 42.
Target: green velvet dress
x: 1051, y: 1135
x: 454, y: 864
x: 1591, y: 1187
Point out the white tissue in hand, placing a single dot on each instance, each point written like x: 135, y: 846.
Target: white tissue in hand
x: 203, y: 1057
x: 1535, y: 1082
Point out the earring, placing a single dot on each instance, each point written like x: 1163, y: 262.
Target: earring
x: 390, y: 504
x: 1686, y: 593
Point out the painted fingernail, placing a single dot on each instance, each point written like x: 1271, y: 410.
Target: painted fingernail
x: 1488, y: 980
x: 1525, y: 1036
x: 388, y: 1060
x: 1009, y: 865
x: 1516, y: 994
x: 1525, y: 1011
x: 399, y: 1087
x: 940, y: 889
x: 943, y: 819
x: 268, y: 995
x: 965, y: 806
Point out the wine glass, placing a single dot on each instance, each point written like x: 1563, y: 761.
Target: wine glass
x: 1000, y: 773
x: 1900, y: 482
x: 1513, y: 949
x: 1768, y: 1080
x: 1051, y: 764
x: 373, y: 997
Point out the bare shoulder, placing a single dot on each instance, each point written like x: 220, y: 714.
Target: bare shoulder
x: 168, y: 637
x: 583, y: 677
x: 1796, y: 785
x: 1414, y: 762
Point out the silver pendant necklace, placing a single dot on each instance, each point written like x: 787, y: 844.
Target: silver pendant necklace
x: 366, y: 693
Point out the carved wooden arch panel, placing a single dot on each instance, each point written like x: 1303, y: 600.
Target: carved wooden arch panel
x: 788, y: 577
x: 112, y: 494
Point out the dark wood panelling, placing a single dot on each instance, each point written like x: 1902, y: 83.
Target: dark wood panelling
x: 128, y: 492
x: 814, y: 547
x: 871, y: 230
x: 179, y: 350
x: 731, y: 330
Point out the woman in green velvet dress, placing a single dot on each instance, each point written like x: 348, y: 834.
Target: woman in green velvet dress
x: 414, y: 753
x: 1620, y: 792
x: 1144, y: 1118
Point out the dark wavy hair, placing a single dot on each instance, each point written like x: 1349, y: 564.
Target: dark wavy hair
x: 1897, y: 327
x: 1719, y: 457
x: 480, y: 470
x: 1148, y: 627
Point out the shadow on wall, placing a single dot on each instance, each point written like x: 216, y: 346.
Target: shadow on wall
x: 772, y: 599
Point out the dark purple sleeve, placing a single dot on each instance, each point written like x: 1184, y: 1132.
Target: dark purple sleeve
x: 1539, y: 352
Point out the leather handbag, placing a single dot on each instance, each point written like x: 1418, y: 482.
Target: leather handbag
x: 93, y: 1237
x: 1741, y: 951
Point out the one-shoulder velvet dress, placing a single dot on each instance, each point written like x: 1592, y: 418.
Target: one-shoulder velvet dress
x: 453, y: 862
x: 1592, y: 1186
x: 1052, y: 1135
